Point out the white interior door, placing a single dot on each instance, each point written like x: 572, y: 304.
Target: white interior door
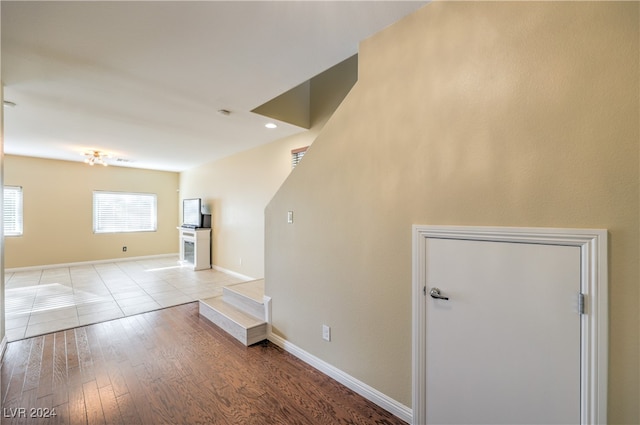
x: 505, y: 347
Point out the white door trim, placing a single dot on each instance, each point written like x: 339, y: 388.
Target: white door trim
x: 594, y: 323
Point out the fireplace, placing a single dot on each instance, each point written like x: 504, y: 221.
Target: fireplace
x: 195, y: 248
x: 189, y: 249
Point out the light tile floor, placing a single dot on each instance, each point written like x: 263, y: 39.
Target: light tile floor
x: 49, y: 300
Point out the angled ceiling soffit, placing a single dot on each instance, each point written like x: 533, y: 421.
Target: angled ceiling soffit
x: 292, y: 107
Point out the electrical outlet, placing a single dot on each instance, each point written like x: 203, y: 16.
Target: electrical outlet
x: 290, y: 217
x: 326, y: 333
x: 124, y: 249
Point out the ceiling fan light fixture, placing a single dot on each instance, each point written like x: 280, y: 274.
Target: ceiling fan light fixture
x: 96, y: 157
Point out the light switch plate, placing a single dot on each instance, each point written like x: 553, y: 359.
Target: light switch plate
x: 326, y: 333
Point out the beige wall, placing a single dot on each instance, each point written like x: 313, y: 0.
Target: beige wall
x: 238, y: 188
x: 479, y: 113
x: 2, y: 329
x: 58, y: 212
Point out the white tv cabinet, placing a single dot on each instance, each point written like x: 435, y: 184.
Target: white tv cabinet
x: 195, y: 248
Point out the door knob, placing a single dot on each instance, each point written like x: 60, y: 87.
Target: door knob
x: 435, y: 293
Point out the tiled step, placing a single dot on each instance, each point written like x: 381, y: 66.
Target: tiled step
x: 246, y: 296
x: 243, y: 326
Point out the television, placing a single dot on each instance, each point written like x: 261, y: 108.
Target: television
x: 192, y: 213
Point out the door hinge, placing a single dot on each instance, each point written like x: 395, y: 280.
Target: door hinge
x: 581, y: 303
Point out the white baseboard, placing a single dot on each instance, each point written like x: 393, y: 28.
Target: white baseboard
x: 3, y: 347
x: 398, y: 409
x: 85, y: 263
x: 232, y: 273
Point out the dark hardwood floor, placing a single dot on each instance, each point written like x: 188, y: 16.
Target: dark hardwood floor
x: 169, y: 367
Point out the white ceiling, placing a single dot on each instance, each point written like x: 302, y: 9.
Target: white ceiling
x: 143, y: 80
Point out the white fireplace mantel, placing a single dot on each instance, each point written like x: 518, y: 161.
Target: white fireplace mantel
x: 195, y: 248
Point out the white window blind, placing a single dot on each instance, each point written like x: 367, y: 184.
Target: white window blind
x: 116, y: 212
x: 12, y: 213
x: 296, y: 156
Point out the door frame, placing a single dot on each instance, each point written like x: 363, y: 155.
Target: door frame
x: 593, y: 323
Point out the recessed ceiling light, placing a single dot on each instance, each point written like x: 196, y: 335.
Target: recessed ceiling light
x: 270, y: 125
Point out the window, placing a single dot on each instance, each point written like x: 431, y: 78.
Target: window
x: 12, y: 211
x: 296, y: 156
x: 115, y: 212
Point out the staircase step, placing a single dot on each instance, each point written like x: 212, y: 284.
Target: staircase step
x: 247, y: 296
x: 253, y: 289
x: 243, y: 326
